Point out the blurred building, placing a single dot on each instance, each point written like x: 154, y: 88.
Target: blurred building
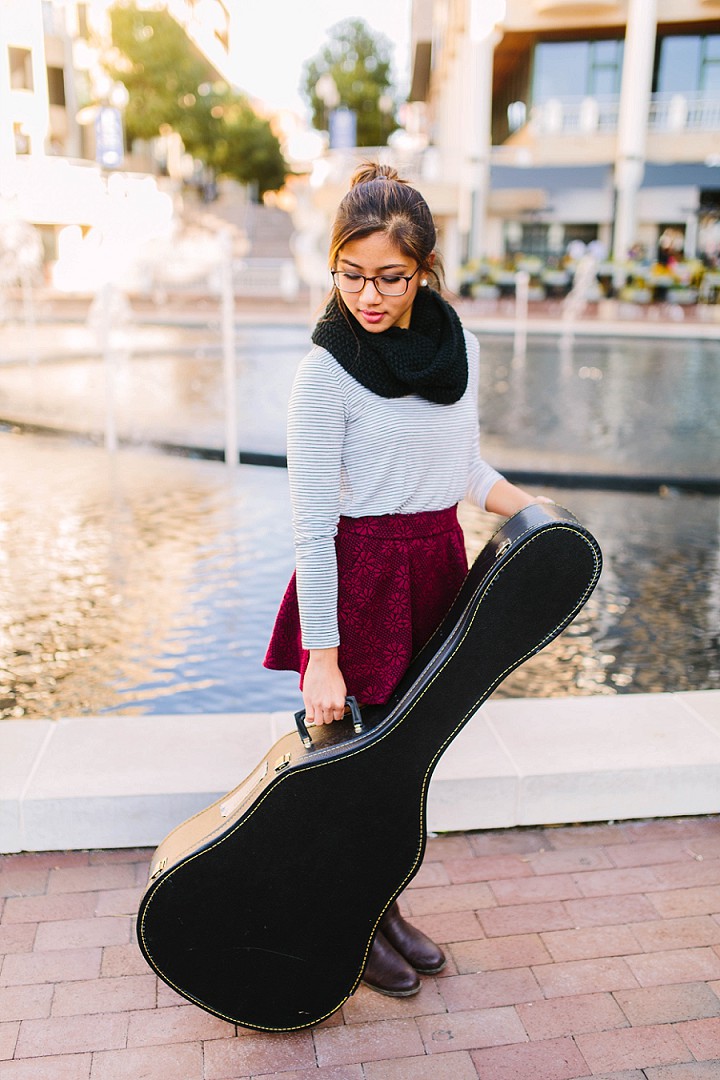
x: 570, y: 120
x: 61, y: 125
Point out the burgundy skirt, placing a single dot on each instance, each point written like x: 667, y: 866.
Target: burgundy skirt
x: 398, y: 575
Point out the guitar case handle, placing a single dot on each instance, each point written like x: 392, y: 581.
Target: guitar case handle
x: 357, y: 723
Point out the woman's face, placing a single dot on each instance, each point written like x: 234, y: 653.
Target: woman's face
x: 377, y: 256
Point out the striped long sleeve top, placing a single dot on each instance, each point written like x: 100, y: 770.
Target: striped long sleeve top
x: 354, y: 453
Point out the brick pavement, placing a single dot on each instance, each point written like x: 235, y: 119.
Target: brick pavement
x: 574, y: 952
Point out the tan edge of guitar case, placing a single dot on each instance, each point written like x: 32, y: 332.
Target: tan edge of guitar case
x: 262, y: 908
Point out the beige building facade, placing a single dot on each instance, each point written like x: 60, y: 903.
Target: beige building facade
x: 57, y: 105
x: 570, y: 120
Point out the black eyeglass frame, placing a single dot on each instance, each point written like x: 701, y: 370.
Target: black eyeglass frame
x: 407, y: 278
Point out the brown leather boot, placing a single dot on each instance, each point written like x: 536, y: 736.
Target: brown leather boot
x: 417, y: 948
x: 387, y: 972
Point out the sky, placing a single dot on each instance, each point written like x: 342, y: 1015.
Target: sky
x: 278, y: 36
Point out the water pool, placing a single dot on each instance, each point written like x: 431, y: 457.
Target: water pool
x: 142, y: 583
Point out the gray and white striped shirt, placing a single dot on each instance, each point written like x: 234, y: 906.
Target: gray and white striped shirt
x: 354, y: 453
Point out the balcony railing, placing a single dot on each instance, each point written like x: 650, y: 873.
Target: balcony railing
x: 590, y: 115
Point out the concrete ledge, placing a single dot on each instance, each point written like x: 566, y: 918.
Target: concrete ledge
x: 122, y: 781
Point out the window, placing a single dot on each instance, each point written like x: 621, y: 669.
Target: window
x: 572, y: 69
x: 22, y: 140
x: 56, y: 86
x: 21, y: 74
x: 689, y: 64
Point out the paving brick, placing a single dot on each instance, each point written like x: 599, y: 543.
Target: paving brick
x: 686, y: 901
x: 141, y: 856
x: 54, y: 1067
x: 675, y: 966
x: 624, y: 1074
x: 705, y: 847
x: 568, y: 861
x: 520, y: 950
x: 167, y: 997
x: 123, y: 960
x: 507, y: 841
x: 634, y: 879
x: 610, y: 910
x: 447, y: 847
x: 487, y: 868
x: 31, y: 909
x: 585, y: 976
x: 18, y: 938
x: 43, y: 860
x: 226, y: 1059
x: 429, y: 874
x: 366, y: 1042
x: 8, y: 1038
x: 650, y: 854
x: 678, y: 933
x: 556, y: 1059
x: 450, y: 926
x: 82, y: 933
x: 524, y: 919
x: 25, y: 1002
x: 105, y: 995
x: 183, y: 1062
x: 558, y: 1017
x: 471, y: 1029
x: 71, y: 1035
x: 457, y: 1065
x: 489, y: 989
x: 668, y: 828
x: 342, y: 1072
x: 702, y: 1036
x: 565, y: 836
x: 633, y: 1048
x: 118, y: 901
x: 178, y: 1024
x: 448, y: 898
x: 535, y: 889
x: 366, y: 1005
x: 58, y: 966
x: 21, y: 880
x: 590, y: 942
x: 668, y: 1004
x: 693, y: 1070
x: 693, y: 875
x: 91, y: 878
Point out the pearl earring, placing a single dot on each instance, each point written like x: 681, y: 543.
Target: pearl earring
x: 423, y: 281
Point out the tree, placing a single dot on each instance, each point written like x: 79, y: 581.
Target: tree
x: 358, y: 60
x: 158, y: 64
x: 170, y: 85
x: 222, y: 129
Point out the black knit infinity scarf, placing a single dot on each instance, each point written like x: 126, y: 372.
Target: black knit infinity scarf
x: 428, y: 358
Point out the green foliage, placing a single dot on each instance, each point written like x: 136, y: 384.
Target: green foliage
x: 359, y: 62
x: 221, y: 129
x: 170, y: 85
x: 158, y: 65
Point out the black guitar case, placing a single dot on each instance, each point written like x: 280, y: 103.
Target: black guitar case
x: 262, y: 908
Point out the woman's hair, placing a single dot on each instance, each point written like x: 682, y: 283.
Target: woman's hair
x: 380, y: 202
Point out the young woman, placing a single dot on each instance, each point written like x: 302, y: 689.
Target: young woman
x: 382, y: 444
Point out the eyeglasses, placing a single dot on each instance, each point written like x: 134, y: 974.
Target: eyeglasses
x: 386, y: 284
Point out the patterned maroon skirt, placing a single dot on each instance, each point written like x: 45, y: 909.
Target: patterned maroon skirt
x: 398, y: 575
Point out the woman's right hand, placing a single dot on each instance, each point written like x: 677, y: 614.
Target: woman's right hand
x: 324, y: 689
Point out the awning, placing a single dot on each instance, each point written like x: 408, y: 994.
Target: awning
x: 551, y: 177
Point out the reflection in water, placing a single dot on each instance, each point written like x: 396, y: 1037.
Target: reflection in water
x: 143, y: 583
x: 636, y: 405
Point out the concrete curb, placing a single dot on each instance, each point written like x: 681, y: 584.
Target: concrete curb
x: 125, y: 781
